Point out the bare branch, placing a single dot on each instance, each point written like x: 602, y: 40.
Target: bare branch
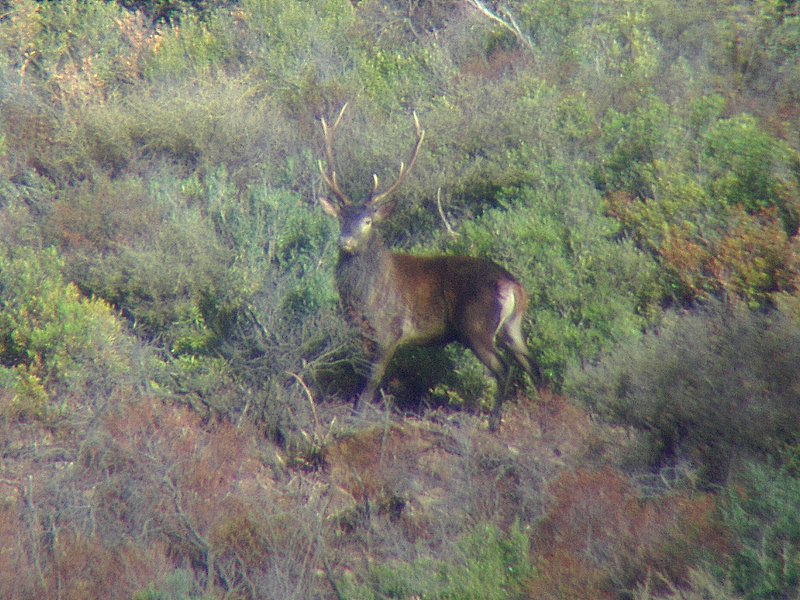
x: 450, y: 230
x: 508, y: 23
x: 310, y: 397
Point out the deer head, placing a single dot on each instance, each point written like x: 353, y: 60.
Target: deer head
x: 356, y: 219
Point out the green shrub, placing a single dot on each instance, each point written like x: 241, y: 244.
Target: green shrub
x: 178, y: 585
x: 485, y: 564
x: 712, y: 387
x: 54, y: 343
x: 191, y: 48
x: 234, y: 286
x: 73, y: 48
x: 762, y: 509
x: 587, y: 290
x: 172, y: 281
x: 749, y: 167
x: 489, y: 136
x: 705, y: 246
x: 631, y: 143
x: 302, y: 51
x: 703, y: 584
x: 197, y: 126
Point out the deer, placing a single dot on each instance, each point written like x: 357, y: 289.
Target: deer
x: 398, y: 299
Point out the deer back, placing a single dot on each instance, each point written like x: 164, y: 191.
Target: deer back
x: 399, y: 298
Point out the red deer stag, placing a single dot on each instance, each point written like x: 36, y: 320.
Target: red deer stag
x: 399, y: 299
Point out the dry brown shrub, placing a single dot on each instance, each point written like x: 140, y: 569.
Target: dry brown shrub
x: 445, y: 476
x: 371, y: 463
x: 566, y: 576
x: 17, y: 573
x: 86, y: 567
x: 204, y: 492
x: 102, y: 215
x: 597, y: 525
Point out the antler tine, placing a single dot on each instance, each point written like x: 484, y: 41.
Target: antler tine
x: 376, y: 198
x: 330, y: 178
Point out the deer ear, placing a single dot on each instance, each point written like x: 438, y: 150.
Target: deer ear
x: 330, y: 208
x: 384, y: 209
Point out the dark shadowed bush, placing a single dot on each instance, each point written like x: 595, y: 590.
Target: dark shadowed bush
x: 714, y: 387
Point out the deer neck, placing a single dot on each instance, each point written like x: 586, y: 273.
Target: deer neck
x: 361, y: 276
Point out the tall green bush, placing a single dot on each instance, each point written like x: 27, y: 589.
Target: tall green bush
x: 587, y: 289
x: 762, y: 510
x: 58, y: 349
x: 632, y: 143
x: 486, y: 564
x: 749, y: 167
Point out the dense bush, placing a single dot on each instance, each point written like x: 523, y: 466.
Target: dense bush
x: 713, y: 387
x: 763, y: 512
x: 587, y: 289
x: 61, y: 353
x: 488, y: 564
x: 720, y: 225
x: 598, y: 539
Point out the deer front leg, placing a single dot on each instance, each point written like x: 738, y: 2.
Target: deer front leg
x: 376, y: 373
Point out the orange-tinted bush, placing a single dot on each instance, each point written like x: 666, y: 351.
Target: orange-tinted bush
x: 87, y: 567
x: 599, y: 536
x: 733, y: 254
x: 748, y: 260
x: 754, y: 258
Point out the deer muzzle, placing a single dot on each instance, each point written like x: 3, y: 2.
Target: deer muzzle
x: 348, y: 244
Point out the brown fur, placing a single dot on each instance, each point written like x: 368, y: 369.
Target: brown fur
x: 400, y: 299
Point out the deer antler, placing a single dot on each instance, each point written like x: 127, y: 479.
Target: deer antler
x: 330, y: 178
x: 376, y: 198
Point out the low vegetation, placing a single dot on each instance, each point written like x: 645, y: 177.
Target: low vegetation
x: 175, y: 371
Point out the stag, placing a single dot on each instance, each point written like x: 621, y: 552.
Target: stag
x: 400, y: 299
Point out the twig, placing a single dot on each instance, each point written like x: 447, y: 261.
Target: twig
x: 309, y: 396
x: 508, y: 23
x: 450, y: 230
x: 326, y: 568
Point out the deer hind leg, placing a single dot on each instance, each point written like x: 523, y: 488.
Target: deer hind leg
x: 509, y: 330
x: 510, y: 338
x: 487, y: 353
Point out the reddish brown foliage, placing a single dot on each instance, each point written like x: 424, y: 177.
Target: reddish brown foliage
x: 86, y: 567
x: 754, y: 257
x: 740, y: 255
x: 67, y: 564
x: 602, y: 537
x: 687, y: 259
x: 101, y: 220
x: 373, y: 463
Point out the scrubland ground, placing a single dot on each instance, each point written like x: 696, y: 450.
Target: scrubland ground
x: 175, y: 372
